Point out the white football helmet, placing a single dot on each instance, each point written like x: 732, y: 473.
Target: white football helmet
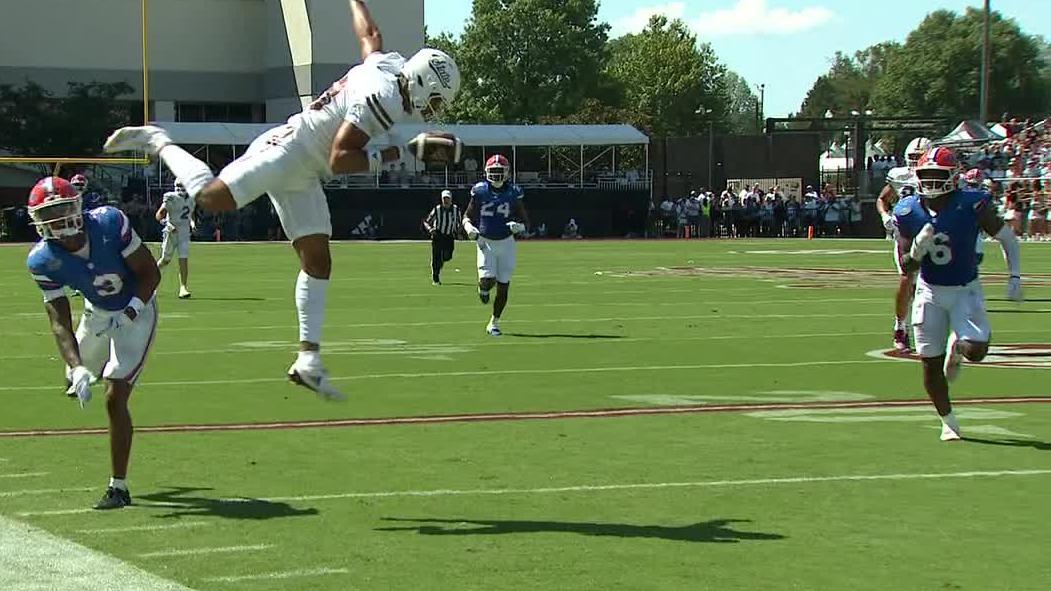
x: 180, y: 188
x: 433, y: 81
x: 915, y: 150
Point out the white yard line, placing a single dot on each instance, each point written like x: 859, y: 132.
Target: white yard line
x: 438, y: 374
x: 24, y: 475
x: 586, y: 488
x: 660, y: 485
x: 200, y: 551
x: 288, y: 574
x: 32, y: 559
x: 40, y: 491
x: 134, y: 528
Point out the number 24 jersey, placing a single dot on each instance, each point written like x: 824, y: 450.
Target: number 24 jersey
x: 496, y: 207
x: 952, y: 260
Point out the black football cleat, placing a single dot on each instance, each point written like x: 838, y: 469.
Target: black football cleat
x: 114, y: 498
x: 483, y: 297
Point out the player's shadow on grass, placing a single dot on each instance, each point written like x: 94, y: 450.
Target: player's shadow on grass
x: 183, y: 502
x: 562, y: 336
x: 720, y: 531
x: 1033, y: 443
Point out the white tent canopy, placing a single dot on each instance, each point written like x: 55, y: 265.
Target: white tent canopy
x: 969, y: 133
x: 240, y: 134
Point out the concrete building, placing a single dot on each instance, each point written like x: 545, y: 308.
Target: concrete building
x: 243, y: 61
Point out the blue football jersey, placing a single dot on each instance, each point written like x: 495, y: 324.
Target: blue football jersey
x: 496, y: 207
x: 952, y: 260
x: 102, y: 276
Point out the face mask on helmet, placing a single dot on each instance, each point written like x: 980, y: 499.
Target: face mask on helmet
x: 180, y: 189
x: 496, y: 173
x: 433, y: 81
x: 935, y: 182
x: 58, y: 219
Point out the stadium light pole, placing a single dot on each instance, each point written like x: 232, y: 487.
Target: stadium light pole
x: 983, y: 114
x: 711, y: 141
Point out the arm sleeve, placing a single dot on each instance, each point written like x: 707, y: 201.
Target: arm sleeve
x: 129, y: 240
x: 51, y: 288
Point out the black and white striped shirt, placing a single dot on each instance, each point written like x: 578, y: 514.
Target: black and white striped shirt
x: 444, y: 220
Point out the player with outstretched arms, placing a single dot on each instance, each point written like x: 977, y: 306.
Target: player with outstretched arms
x: 176, y: 214
x: 339, y: 133
x: 501, y: 215
x: 99, y: 254
x: 901, y: 182
x: 936, y: 231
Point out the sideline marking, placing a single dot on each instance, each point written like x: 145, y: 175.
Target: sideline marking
x: 41, y: 491
x: 198, y: 551
x: 288, y: 574
x: 131, y: 528
x: 523, y: 416
x: 25, y: 474
x: 606, y: 487
x: 33, y: 559
x: 661, y: 485
x: 489, y: 372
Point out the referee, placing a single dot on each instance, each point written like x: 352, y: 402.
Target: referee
x: 442, y: 224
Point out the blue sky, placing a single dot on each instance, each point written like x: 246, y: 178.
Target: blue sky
x: 785, y: 44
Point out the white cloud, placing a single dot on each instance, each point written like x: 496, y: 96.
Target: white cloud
x: 636, y: 21
x: 757, y: 17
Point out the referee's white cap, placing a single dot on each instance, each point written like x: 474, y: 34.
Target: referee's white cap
x: 447, y: 193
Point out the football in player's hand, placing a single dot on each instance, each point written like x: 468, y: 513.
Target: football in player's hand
x: 435, y: 147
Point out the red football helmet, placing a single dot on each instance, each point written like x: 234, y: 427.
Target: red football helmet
x: 974, y: 177
x: 79, y: 182
x: 55, y: 208
x: 937, y: 172
x: 496, y: 170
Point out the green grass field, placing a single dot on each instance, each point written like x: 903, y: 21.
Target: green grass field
x: 831, y: 480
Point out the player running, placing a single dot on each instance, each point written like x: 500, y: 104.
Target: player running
x: 501, y: 215
x: 936, y: 232
x: 331, y: 136
x: 176, y: 213
x: 99, y: 254
x: 901, y: 182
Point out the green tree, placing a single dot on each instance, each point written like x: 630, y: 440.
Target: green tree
x: 741, y: 105
x: 850, y: 82
x: 525, y: 59
x: 666, y: 75
x: 35, y: 123
x: 937, y: 71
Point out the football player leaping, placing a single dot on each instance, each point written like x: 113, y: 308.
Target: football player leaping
x: 99, y: 254
x: 936, y: 232
x: 901, y: 182
x: 176, y: 213
x: 501, y: 215
x: 331, y: 136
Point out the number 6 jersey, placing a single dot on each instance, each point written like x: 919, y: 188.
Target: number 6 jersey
x: 98, y: 271
x: 952, y: 260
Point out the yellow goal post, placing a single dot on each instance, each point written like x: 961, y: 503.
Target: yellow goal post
x: 59, y: 161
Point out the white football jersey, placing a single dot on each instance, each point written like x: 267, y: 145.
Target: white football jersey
x: 179, y: 208
x: 367, y: 96
x: 901, y: 177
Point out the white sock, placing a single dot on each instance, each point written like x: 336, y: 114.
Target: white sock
x: 193, y: 173
x: 118, y: 483
x: 309, y: 358
x: 494, y: 321
x: 899, y: 324
x: 310, y: 302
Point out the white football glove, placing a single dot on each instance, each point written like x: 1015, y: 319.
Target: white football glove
x: 193, y: 225
x: 1014, y: 289
x: 888, y: 223
x: 81, y: 379
x: 921, y: 245
x: 516, y: 227
x: 472, y: 231
x: 171, y: 229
